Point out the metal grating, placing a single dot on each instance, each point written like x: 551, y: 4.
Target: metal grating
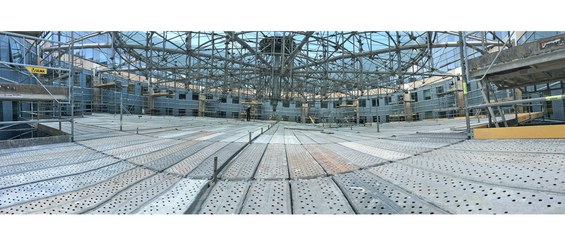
x: 318, y: 196
x: 140, y: 149
x: 289, y: 137
x: 205, y: 169
x: 32, y: 153
x: 268, y: 197
x: 301, y: 164
x: 22, y: 178
x: 305, y: 140
x: 129, y: 200
x: 30, y: 156
x: 468, y: 197
x: 226, y: 197
x: 322, y: 138
x: 372, y: 195
x: 381, y: 153
x: 519, y: 173
x: 190, y: 163
x: 274, y: 164
x: 414, y: 148
x: 331, y: 162
x: 523, y: 145
x: 177, y: 200
x: 162, y: 159
x: 358, y: 158
x: 38, y: 190
x: 116, y: 142
x: 82, y: 199
x: 63, y: 160
x: 243, y: 166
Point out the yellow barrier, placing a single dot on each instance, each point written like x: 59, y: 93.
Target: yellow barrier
x: 527, y: 132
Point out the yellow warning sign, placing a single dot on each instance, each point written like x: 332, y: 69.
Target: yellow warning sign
x: 36, y: 70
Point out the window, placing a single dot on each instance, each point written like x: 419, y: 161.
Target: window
x: 363, y: 103
x: 324, y: 104
x: 88, y: 81
x: 182, y: 112
x: 439, y: 90
x: 182, y: 97
x: 336, y: 104
x: 195, y: 96
x: 427, y: 94
x: 209, y: 97
x: 414, y: 96
x: 235, y: 114
x: 374, y: 102
x: 168, y: 111
x: 235, y: 100
x: 223, y: 100
x: 400, y: 99
x: 298, y: 104
x: 76, y: 80
x: 286, y: 103
x: 388, y: 100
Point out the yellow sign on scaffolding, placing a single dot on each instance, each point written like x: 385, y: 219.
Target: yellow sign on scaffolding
x: 36, y: 70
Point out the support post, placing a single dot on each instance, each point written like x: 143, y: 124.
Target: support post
x: 249, y: 137
x: 464, y: 81
x: 215, y: 170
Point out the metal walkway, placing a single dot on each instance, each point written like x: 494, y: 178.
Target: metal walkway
x: 164, y: 167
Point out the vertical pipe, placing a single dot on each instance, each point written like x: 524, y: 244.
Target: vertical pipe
x: 71, y: 89
x: 464, y: 80
x: 121, y: 107
x: 249, y: 137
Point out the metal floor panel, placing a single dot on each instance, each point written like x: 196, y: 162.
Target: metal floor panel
x: 331, y: 162
x: 301, y: 164
x: 350, y: 136
x: 88, y: 198
x: 180, y: 135
x: 49, y: 163
x: 358, y: 158
x: 268, y: 197
x: 176, y: 200
x: 519, y: 175
x: 323, y: 138
x: 274, y: 164
x: 263, y: 139
x: 134, y: 147
x: 243, y: 166
x: 537, y: 161
x: 11, y: 153
x: 38, y: 190
x: 155, y: 146
x: 190, y: 163
x: 162, y: 159
x: 7, y: 181
x: 385, y: 144
x: 318, y: 196
x: 305, y: 140
x: 211, y: 136
x: 205, y: 169
x: 42, y: 155
x: 468, y: 197
x: 105, y: 144
x: 129, y: 200
x: 522, y: 145
x: 378, y: 152
x: 226, y: 197
x: 371, y: 195
x: 289, y: 137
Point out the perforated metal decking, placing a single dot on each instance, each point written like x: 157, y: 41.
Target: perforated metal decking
x: 166, y: 168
